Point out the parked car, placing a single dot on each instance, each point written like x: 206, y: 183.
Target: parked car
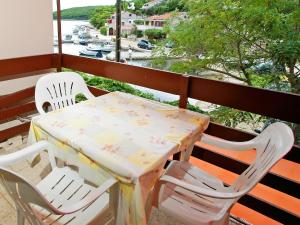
x: 145, y: 44
x: 267, y: 67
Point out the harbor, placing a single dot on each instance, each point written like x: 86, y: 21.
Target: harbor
x: 130, y: 53
x: 80, y: 38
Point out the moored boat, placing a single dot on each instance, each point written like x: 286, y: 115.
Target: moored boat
x: 68, y: 39
x: 102, y: 48
x: 83, y: 41
x: 97, y: 54
x: 76, y: 29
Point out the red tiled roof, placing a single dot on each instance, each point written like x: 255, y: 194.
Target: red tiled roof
x: 160, y: 17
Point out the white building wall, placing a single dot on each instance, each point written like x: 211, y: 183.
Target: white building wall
x: 26, y: 28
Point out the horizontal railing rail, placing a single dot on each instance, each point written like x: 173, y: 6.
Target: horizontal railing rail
x: 279, y: 105
x: 255, y: 100
x: 158, y: 80
x: 14, y: 131
x: 252, y: 99
x: 12, y: 112
x: 16, y: 97
x: 21, y: 67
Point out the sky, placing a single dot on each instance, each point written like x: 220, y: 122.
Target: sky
x: 65, y: 4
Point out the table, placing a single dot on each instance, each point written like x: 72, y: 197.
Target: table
x: 128, y: 136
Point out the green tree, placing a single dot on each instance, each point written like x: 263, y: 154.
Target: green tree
x: 231, y: 37
x: 103, y: 31
x: 77, y: 13
x: 155, y: 34
x: 100, y: 15
x: 166, y: 6
x: 138, y: 33
x: 138, y: 4
x: 234, y: 37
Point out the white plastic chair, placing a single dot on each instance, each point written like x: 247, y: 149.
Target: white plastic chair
x: 61, y: 198
x: 194, y: 197
x: 60, y: 90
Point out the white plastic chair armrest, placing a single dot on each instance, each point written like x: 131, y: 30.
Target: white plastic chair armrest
x: 227, y: 145
x: 24, y: 153
x: 88, y: 94
x: 200, y: 190
x: 89, y: 199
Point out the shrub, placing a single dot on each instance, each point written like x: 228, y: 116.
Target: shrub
x: 139, y: 22
x: 113, y: 85
x: 155, y: 34
x: 103, y: 31
x: 138, y: 33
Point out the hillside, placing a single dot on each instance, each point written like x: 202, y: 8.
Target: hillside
x: 78, y: 13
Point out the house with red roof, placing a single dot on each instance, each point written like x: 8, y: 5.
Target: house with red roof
x: 158, y: 20
x: 127, y: 22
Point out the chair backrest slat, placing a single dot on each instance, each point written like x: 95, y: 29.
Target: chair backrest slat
x: 59, y: 90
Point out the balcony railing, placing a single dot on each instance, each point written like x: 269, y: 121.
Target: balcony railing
x: 284, y: 106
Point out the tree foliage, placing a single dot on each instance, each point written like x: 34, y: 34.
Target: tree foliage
x: 77, y: 13
x: 138, y: 4
x: 238, y: 39
x: 232, y: 37
x: 100, y: 15
x: 166, y: 6
x: 97, y: 15
x: 112, y: 85
x: 138, y: 33
x: 155, y: 34
x: 103, y: 31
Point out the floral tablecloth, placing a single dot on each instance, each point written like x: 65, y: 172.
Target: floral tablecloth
x: 129, y: 136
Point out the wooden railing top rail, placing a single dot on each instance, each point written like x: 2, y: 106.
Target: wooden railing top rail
x: 17, y: 67
x: 280, y: 105
x: 146, y: 77
x: 275, y: 104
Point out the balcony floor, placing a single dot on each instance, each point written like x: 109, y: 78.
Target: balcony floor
x: 7, y: 209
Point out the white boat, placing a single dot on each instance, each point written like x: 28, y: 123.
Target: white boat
x: 102, y: 48
x: 83, y: 41
x: 97, y: 54
x: 85, y: 33
x: 76, y: 29
x: 68, y: 39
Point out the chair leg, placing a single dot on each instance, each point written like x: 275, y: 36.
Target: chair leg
x: 223, y: 221
x: 20, y: 217
x: 114, y: 194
